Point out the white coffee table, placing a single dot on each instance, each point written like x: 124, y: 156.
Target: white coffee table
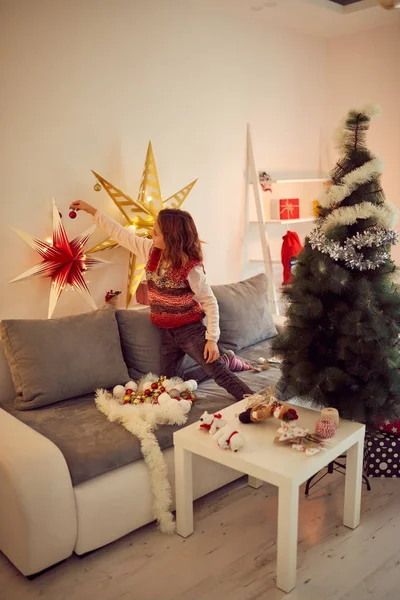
x: 279, y: 465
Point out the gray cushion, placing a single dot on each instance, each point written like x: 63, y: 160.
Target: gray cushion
x: 141, y: 342
x: 92, y: 445
x: 52, y: 360
x: 245, y: 317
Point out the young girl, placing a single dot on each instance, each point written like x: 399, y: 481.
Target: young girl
x: 179, y: 294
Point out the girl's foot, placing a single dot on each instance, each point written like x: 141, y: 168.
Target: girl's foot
x: 235, y: 364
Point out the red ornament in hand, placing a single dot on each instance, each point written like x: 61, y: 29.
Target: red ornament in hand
x: 72, y: 214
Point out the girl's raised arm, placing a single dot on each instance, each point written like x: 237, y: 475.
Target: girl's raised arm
x: 124, y: 236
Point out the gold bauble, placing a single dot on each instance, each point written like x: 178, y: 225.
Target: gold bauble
x: 97, y: 187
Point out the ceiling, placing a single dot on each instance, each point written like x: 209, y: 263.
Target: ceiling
x: 324, y: 18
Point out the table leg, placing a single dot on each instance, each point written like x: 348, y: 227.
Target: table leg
x: 183, y: 491
x: 254, y: 482
x: 353, y: 485
x: 288, y: 517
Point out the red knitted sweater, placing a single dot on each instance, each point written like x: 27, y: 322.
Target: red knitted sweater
x: 172, y: 302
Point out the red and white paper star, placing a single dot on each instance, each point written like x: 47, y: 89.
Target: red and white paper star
x: 64, y: 261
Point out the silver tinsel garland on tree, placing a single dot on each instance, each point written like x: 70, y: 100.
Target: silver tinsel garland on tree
x: 347, y: 252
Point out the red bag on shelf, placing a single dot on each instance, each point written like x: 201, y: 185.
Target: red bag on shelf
x: 291, y: 247
x: 289, y: 208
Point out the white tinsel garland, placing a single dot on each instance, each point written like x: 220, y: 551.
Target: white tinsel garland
x: 385, y: 215
x: 350, y: 182
x: 380, y: 238
x: 141, y: 421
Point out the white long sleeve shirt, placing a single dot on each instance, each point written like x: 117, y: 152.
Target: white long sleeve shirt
x: 142, y: 247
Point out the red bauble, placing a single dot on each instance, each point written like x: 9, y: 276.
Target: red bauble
x: 129, y: 391
x: 147, y: 392
x: 162, y: 389
x: 72, y: 214
x: 127, y: 401
x: 154, y: 386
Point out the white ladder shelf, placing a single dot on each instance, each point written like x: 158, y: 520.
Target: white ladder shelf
x: 252, y: 183
x: 252, y: 179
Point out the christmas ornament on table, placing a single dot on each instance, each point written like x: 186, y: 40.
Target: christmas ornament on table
x: 291, y: 248
x: 228, y: 438
x: 261, y: 407
x: 289, y: 208
x: 112, y: 298
x: 140, y: 214
x: 211, y: 422
x: 340, y: 346
x: 265, y: 181
x: 300, y: 439
x: 65, y: 262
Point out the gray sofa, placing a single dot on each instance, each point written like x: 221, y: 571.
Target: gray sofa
x: 71, y: 481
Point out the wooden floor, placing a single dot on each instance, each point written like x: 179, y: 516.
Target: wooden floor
x: 231, y: 555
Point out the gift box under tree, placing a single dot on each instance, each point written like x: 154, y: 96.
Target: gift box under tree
x: 381, y: 454
x: 289, y: 208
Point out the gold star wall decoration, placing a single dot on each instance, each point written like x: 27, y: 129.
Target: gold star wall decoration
x: 140, y: 214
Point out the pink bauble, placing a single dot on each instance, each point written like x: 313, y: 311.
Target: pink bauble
x: 325, y: 429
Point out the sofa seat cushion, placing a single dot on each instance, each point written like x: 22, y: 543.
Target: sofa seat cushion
x: 93, y: 446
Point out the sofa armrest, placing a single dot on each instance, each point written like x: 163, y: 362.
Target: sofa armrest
x: 38, y: 525
x: 279, y: 322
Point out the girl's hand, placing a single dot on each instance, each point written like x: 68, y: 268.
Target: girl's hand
x: 211, y: 352
x: 81, y: 205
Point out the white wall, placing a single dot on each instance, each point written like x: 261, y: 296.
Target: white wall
x: 85, y: 85
x: 365, y: 68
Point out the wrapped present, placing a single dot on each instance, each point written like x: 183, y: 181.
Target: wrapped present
x: 289, y: 208
x: 142, y: 296
x: 388, y: 426
x: 381, y: 454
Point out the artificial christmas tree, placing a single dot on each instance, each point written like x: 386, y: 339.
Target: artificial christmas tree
x: 341, y: 344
